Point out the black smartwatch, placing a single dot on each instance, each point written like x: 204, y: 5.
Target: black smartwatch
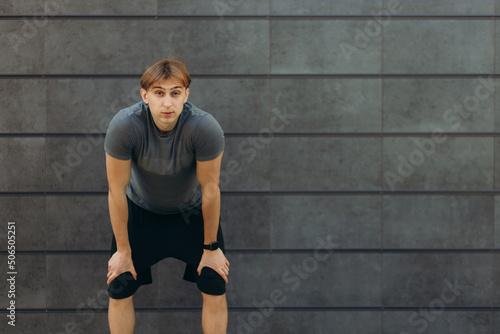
x: 212, y: 246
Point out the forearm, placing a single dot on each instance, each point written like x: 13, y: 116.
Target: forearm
x: 211, y: 212
x: 118, y: 211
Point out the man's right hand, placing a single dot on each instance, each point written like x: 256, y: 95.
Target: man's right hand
x: 119, y: 263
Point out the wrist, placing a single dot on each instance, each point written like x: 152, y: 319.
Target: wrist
x: 124, y: 250
x: 211, y: 246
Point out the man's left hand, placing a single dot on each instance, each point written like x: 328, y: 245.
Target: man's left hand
x: 215, y: 260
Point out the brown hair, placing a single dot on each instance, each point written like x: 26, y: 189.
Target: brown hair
x: 167, y: 68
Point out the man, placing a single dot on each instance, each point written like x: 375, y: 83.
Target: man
x: 163, y: 158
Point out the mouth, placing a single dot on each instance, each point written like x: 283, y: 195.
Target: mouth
x: 167, y: 114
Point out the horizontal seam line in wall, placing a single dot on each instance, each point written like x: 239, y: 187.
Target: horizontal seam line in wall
x: 290, y: 250
x: 282, y: 192
x: 248, y: 17
x: 279, y: 308
x: 257, y: 75
x: 273, y: 134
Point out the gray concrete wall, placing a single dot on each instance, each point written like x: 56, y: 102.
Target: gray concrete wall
x: 376, y: 140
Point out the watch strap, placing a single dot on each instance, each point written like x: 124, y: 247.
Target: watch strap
x: 212, y: 246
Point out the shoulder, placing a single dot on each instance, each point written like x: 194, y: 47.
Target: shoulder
x: 200, y: 120
x: 207, y: 136
x: 129, y: 118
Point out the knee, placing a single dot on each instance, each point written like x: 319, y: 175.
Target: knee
x: 213, y: 300
x: 211, y: 283
x: 124, y: 302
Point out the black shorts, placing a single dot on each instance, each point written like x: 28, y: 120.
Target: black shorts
x: 154, y: 237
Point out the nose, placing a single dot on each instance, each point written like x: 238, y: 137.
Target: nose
x: 167, y: 102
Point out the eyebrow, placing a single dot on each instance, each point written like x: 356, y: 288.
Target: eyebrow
x: 158, y: 87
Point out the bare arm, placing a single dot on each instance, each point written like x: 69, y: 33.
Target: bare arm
x: 118, y: 172
x: 208, y: 173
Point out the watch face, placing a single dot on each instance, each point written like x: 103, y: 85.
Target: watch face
x: 211, y: 246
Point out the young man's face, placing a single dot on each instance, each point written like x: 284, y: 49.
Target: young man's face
x: 166, y: 100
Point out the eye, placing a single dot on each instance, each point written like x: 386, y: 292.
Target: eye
x: 176, y: 93
x: 159, y: 93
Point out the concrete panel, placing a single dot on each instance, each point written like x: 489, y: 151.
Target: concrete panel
x: 326, y: 322
x: 335, y: 48
x: 76, y: 164
x: 496, y: 167
x: 324, y: 279
x: 69, y: 108
x: 173, y: 291
x: 325, y: 7
x: 437, y: 321
x: 220, y: 8
x: 493, y: 86
x: 496, y: 321
x: 180, y: 322
x: 326, y: 105
x: 28, y: 7
x: 79, y: 46
x: 26, y: 323
x: 325, y: 163
x: 28, y: 214
x: 23, y: 46
x: 81, y: 276
x: 245, y: 221
x: 189, y: 321
x: 462, y: 46
x: 245, y: 164
x: 249, y: 278
x: 438, y: 162
x: 352, y: 221
x: 27, y: 291
x: 23, y: 105
x: 497, y: 222
x: 29, y: 153
x: 421, y: 221
x: 429, y: 279
x: 239, y: 105
x: 78, y: 223
x: 101, y: 7
x: 244, y: 322
x: 243, y: 49
x: 447, y: 7
x: 92, y: 321
x: 426, y: 105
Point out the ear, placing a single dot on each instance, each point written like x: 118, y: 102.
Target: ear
x: 187, y: 94
x: 144, y: 95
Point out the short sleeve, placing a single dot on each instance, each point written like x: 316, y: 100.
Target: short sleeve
x: 119, y: 142
x: 208, y: 139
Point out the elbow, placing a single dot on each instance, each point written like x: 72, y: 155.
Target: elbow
x: 117, y: 192
x: 210, y: 191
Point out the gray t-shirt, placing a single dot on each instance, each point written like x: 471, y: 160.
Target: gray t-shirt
x: 163, y: 178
